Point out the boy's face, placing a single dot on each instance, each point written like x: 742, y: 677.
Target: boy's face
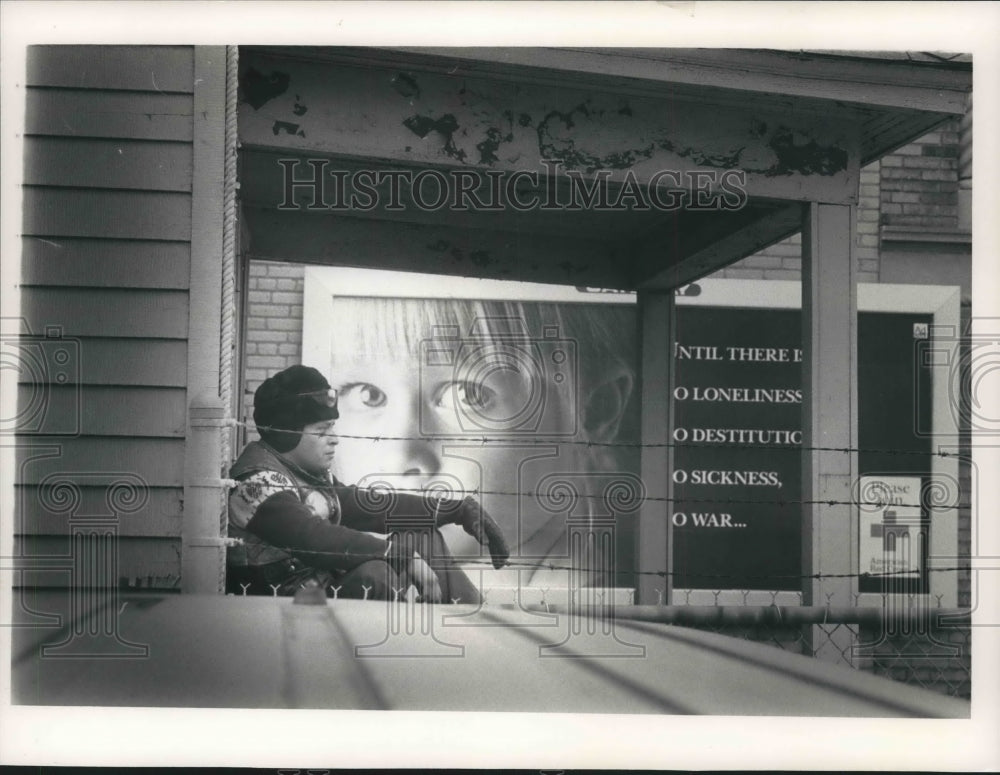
x: 423, y: 441
x: 315, y: 449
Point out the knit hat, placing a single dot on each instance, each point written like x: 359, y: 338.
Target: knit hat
x: 288, y: 401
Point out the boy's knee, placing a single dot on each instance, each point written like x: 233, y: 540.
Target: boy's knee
x: 374, y: 579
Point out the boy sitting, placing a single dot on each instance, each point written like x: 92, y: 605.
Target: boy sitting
x: 299, y: 524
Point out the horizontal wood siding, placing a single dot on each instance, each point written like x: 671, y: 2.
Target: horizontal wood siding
x: 106, y: 264
x: 160, y: 516
x: 142, y: 562
x: 151, y: 362
x: 129, y: 164
x: 155, y: 69
x: 107, y: 311
x: 92, y: 113
x: 92, y: 212
x: 106, y: 411
x: 157, y: 462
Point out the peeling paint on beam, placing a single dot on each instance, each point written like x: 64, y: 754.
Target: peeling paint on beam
x: 446, y: 126
x: 431, y: 118
x: 288, y: 128
x: 562, y: 147
x: 491, y: 144
x: 406, y: 85
x: 257, y: 89
x: 803, y: 155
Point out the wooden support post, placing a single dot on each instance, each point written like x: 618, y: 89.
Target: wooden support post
x: 656, y: 321
x: 830, y: 418
x: 203, y: 555
x: 203, y: 548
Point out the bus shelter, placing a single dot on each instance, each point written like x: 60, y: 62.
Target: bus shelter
x: 631, y: 169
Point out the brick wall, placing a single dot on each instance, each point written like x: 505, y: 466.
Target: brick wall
x: 867, y: 242
x: 967, y: 485
x: 915, y: 187
x: 273, y: 323
x: 783, y: 260
x: 919, y: 182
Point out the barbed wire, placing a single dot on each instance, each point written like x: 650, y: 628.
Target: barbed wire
x: 382, y: 489
x: 717, y: 501
x: 458, y: 563
x: 550, y: 441
x: 625, y: 505
x: 537, y: 440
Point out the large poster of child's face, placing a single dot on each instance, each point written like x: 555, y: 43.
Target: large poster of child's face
x: 526, y: 403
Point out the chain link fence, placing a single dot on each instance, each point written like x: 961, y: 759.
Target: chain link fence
x: 938, y: 657
x: 925, y: 647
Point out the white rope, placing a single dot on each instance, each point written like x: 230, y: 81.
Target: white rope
x: 227, y: 338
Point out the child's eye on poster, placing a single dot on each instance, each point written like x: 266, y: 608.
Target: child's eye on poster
x: 466, y: 389
x: 360, y: 396
x: 465, y: 396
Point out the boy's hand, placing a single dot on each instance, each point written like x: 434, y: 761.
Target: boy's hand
x: 477, y: 522
x: 425, y: 579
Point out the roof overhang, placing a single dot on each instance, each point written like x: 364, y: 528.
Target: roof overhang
x: 761, y: 133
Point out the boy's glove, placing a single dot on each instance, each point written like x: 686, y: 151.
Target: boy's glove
x: 425, y: 579
x: 477, y: 522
